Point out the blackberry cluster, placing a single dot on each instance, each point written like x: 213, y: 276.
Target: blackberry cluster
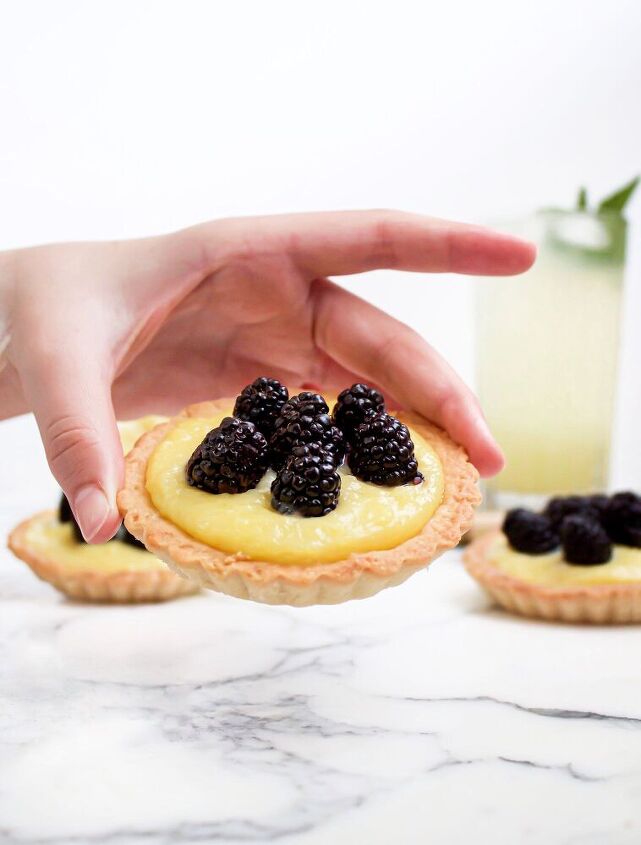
x: 305, y: 419
x: 530, y: 533
x: 355, y: 404
x: 260, y: 403
x: 584, y: 540
x: 299, y: 439
x: 382, y: 452
x: 65, y: 514
x: 231, y: 459
x: 622, y: 519
x: 308, y: 483
x: 561, y: 506
x: 585, y: 526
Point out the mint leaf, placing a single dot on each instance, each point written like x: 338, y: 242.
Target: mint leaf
x: 618, y: 200
x: 582, y: 200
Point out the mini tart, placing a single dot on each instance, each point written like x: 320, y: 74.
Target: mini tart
x: 112, y: 572
x: 357, y: 576
x: 150, y: 583
x: 602, y: 604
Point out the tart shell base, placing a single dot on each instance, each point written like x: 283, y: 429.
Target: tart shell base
x: 356, y: 577
x: 598, y: 604
x: 92, y: 585
x: 323, y: 590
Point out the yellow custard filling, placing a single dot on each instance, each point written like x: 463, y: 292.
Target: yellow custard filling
x: 56, y: 541
x: 131, y: 430
x: 367, y: 518
x: 551, y: 570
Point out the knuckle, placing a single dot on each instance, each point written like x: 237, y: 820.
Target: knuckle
x: 385, y: 237
x: 400, y: 345
x: 450, y: 401
x: 68, y: 438
x: 447, y: 402
x: 199, y: 245
x: 389, y: 229
x: 385, y: 215
x: 231, y: 242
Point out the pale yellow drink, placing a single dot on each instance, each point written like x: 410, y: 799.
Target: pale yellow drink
x: 547, y: 357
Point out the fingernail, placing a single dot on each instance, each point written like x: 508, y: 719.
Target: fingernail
x: 483, y: 428
x: 92, y: 510
x: 498, y: 458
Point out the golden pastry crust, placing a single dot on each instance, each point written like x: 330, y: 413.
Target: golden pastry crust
x: 93, y: 585
x: 358, y: 576
x: 599, y: 604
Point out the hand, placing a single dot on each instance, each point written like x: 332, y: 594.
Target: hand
x: 160, y: 322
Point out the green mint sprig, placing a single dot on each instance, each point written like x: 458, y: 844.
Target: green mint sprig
x: 615, y: 203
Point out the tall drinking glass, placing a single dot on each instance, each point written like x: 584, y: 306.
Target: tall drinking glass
x: 547, y: 349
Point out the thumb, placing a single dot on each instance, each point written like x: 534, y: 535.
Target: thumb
x: 71, y: 400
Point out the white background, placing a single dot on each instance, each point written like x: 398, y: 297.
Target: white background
x: 126, y: 118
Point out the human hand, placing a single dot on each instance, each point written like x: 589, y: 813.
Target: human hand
x: 156, y: 323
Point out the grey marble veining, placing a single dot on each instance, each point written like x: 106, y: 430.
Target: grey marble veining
x: 418, y: 714
x: 421, y: 715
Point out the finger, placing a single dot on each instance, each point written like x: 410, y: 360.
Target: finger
x: 12, y: 399
x: 340, y: 243
x: 365, y: 340
x: 329, y: 377
x: 71, y: 401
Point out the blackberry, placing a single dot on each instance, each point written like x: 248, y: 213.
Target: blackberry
x: 584, y: 540
x: 622, y: 519
x: 65, y: 514
x: 260, y: 402
x: 305, y: 419
x: 125, y: 537
x: 305, y: 404
x: 529, y: 532
x: 383, y: 452
x: 561, y: 506
x: 308, y: 484
x: 598, y: 501
x: 354, y: 404
x: 231, y: 459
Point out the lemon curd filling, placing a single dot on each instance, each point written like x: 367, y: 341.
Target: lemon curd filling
x: 551, y: 570
x: 56, y: 541
x: 367, y: 518
x: 131, y: 430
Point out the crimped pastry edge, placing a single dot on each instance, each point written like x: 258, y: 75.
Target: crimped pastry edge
x: 358, y: 576
x: 597, y: 604
x: 94, y: 586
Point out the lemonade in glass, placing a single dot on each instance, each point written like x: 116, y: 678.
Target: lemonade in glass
x: 547, y: 350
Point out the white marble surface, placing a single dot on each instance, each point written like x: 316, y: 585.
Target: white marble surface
x: 421, y: 715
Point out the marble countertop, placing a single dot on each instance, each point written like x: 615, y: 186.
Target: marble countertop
x: 420, y: 715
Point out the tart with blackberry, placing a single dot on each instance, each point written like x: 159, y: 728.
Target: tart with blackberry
x: 578, y: 560
x: 275, y: 498
x: 121, y: 570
